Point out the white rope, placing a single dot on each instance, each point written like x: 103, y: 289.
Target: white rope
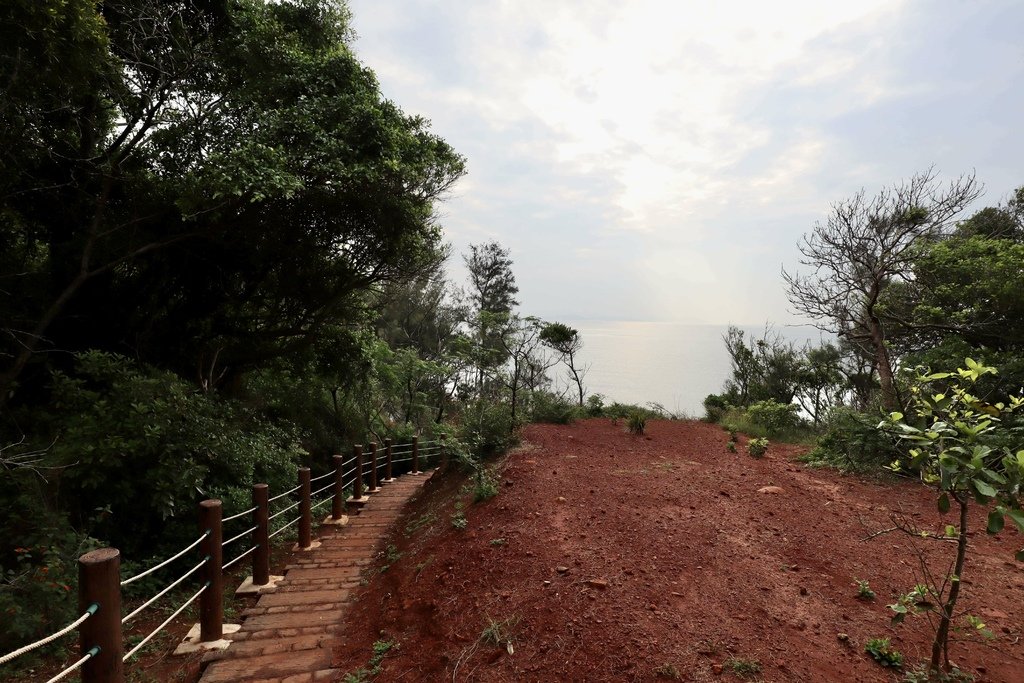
x: 164, y: 591
x: 167, y: 561
x: 52, y: 637
x: 282, y: 511
x: 344, y: 476
x: 93, y: 651
x: 286, y: 493
x: 243, y: 513
x: 328, y: 498
x: 159, y: 628
x: 322, y: 476
x: 283, y: 528
x: 228, y: 542
x: 239, y: 557
x: 319, y: 491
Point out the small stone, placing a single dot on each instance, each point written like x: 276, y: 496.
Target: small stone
x: 716, y: 668
x: 843, y: 637
x: 560, y: 499
x: 770, y: 490
x: 598, y: 583
x: 508, y: 482
x: 561, y: 569
x: 803, y: 591
x: 547, y: 583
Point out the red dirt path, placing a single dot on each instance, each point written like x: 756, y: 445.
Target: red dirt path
x: 700, y: 567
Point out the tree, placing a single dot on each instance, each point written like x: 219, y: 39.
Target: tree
x: 567, y: 343
x: 865, y: 245
x: 964, y: 448
x: 764, y: 369
x: 492, y: 300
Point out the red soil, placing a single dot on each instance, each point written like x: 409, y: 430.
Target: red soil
x: 671, y: 558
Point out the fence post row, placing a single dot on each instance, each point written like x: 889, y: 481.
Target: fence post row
x: 99, y: 570
x: 211, y: 606
x: 99, y: 581
x: 337, y: 504
x: 388, y: 476
x: 374, y: 487
x: 261, y: 536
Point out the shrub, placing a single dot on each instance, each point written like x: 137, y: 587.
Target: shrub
x: 552, y: 408
x: 487, y: 427
x: 636, y: 424
x: 773, y: 416
x: 880, y: 651
x: 731, y: 446
x: 715, y: 407
x: 595, y: 405
x: 853, y: 442
x: 757, y: 447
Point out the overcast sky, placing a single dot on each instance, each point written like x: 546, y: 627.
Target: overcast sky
x: 660, y: 160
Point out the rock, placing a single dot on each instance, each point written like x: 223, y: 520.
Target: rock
x: 716, y: 668
x: 560, y: 499
x: 843, y: 637
x: 562, y: 569
x: 598, y: 583
x: 547, y: 583
x: 508, y: 482
x: 803, y: 591
x: 770, y: 490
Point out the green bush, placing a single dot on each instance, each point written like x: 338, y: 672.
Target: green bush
x: 636, y: 424
x: 715, y: 407
x: 552, y: 408
x: 852, y: 442
x: 757, y: 447
x: 776, y: 418
x: 487, y: 427
x: 595, y: 405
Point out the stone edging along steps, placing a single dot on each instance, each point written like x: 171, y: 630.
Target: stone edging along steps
x: 288, y: 636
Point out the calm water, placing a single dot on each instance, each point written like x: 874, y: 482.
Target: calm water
x: 672, y: 364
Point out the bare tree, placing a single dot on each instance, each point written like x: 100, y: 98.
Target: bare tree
x: 866, y: 244
x: 567, y: 343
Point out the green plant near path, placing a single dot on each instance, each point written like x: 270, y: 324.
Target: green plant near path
x: 744, y: 668
x: 864, y: 591
x: 636, y: 424
x: 882, y: 653
x: 966, y: 449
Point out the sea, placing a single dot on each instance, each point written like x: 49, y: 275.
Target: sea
x: 672, y: 364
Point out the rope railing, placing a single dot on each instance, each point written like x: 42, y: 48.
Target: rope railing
x: 286, y: 493
x: 166, y: 590
x: 167, y: 561
x: 228, y: 542
x: 350, y: 483
x: 91, y: 610
x: 284, y: 510
x: 93, y: 651
x: 327, y: 474
x: 250, y: 550
x: 166, y: 621
x: 243, y: 513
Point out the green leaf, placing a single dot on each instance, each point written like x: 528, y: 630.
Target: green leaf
x: 983, y: 489
x: 895, y: 416
x: 944, y: 503
x: 1018, y: 518
x: 995, y: 522
x: 951, y: 531
x: 1019, y: 556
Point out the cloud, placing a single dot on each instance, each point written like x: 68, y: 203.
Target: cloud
x: 645, y: 139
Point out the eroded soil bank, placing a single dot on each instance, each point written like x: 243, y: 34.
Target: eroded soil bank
x: 607, y: 557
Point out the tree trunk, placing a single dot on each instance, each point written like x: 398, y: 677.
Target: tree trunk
x: 940, y: 646
x: 883, y: 365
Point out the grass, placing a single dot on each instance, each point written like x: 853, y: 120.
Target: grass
x: 744, y: 668
x: 365, y: 674
x: 669, y: 671
x: 498, y: 633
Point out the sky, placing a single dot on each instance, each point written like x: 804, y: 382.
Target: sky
x: 660, y: 161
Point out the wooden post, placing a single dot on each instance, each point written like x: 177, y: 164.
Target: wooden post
x: 261, y: 536
x: 357, y: 485
x: 99, y: 582
x: 415, y: 455
x: 305, y: 510
x: 338, y: 503
x: 374, y: 487
x: 211, y: 604
x: 388, y: 476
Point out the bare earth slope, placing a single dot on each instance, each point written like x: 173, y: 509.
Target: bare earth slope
x: 621, y: 557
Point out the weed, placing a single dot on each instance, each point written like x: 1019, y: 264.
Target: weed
x: 757, y: 447
x: 363, y: 675
x: 486, y: 486
x: 880, y: 651
x: 636, y: 424
x: 920, y: 674
x: 459, y: 521
x: 864, y: 591
x: 731, y: 446
x: 669, y: 671
x: 423, y: 520
x: 391, y: 556
x: 497, y: 542
x: 499, y: 633
x: 744, y: 668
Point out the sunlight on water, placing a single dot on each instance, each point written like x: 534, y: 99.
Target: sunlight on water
x: 673, y: 364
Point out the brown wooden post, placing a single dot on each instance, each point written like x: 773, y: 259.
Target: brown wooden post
x: 261, y: 536
x: 338, y: 503
x: 374, y: 487
x: 305, y: 510
x: 388, y: 476
x: 357, y: 486
x: 99, y: 582
x: 211, y: 603
x: 442, y: 452
x: 415, y: 455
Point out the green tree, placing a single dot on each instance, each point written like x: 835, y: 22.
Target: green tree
x: 566, y: 341
x: 967, y: 450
